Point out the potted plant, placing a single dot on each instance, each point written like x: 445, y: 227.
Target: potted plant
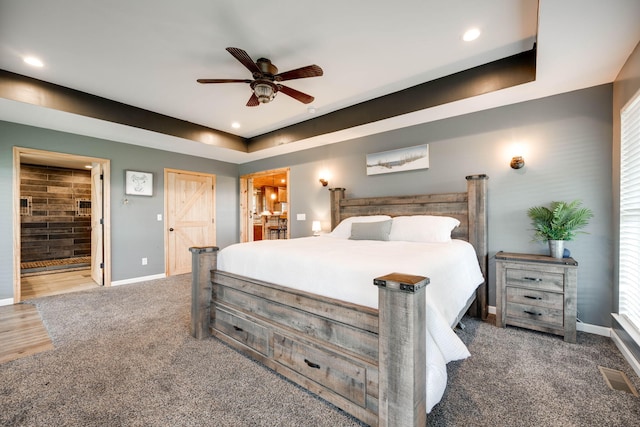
x: 559, y: 222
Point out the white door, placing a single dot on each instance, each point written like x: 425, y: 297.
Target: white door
x: 189, y: 217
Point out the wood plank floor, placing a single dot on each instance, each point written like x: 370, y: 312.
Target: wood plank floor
x: 22, y: 332
x: 55, y: 283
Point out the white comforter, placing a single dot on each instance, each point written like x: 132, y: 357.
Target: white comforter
x: 344, y: 269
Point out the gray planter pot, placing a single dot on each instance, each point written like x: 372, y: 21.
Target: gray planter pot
x: 556, y: 248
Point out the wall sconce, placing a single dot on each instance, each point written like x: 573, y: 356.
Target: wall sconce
x: 517, y: 162
x: 316, y: 228
x: 324, y: 176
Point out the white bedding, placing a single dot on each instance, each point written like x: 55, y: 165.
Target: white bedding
x: 344, y: 269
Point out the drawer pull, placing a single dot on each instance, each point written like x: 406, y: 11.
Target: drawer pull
x: 238, y: 328
x: 532, y: 313
x: 532, y: 297
x: 533, y: 279
x: 311, y: 364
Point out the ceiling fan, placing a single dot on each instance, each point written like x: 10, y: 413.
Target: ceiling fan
x: 266, y: 79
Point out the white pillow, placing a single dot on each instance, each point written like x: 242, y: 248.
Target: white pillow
x: 343, y: 230
x: 423, y: 228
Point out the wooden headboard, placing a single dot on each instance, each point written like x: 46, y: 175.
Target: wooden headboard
x: 469, y: 207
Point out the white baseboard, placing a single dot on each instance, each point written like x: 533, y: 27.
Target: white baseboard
x: 625, y: 352
x: 583, y: 327
x: 6, y: 301
x: 138, y: 279
x: 593, y: 329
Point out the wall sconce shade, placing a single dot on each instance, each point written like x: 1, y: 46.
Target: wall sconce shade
x: 324, y: 182
x: 517, y: 162
x: 316, y: 228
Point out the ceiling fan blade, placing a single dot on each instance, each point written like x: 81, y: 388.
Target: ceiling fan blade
x: 245, y: 59
x: 224, y: 81
x: 253, y: 101
x: 296, y: 94
x: 300, y: 73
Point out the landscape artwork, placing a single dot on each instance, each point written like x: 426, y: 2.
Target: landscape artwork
x: 403, y: 159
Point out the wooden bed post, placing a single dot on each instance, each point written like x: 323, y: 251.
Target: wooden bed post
x: 203, y: 260
x: 478, y: 235
x: 337, y: 194
x: 402, y: 350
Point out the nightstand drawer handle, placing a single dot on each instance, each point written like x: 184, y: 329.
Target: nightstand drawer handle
x: 237, y: 328
x: 532, y: 297
x: 532, y: 313
x: 311, y: 364
x: 533, y: 279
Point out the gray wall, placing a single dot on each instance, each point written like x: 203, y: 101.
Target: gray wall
x: 135, y: 232
x: 566, y: 141
x: 567, y: 145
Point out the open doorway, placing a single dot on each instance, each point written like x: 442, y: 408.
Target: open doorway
x: 61, y: 223
x: 264, y: 205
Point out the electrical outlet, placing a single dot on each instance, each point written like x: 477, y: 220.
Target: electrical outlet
x: 144, y: 261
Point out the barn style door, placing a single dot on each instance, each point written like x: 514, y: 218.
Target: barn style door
x: 189, y: 217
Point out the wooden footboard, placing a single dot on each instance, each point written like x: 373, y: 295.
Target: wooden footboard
x: 370, y: 363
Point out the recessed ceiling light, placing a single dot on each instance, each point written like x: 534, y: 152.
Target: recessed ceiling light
x: 311, y: 110
x: 235, y: 125
x: 471, y: 35
x: 33, y: 61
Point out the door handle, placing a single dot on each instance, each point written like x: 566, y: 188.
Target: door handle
x: 171, y: 229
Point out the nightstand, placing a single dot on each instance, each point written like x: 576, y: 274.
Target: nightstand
x: 537, y: 292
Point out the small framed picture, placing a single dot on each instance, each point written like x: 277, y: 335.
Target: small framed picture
x: 138, y: 183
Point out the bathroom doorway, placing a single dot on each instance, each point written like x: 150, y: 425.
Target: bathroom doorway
x: 61, y: 223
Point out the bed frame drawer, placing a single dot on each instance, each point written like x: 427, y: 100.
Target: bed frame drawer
x: 243, y: 330
x: 334, y: 371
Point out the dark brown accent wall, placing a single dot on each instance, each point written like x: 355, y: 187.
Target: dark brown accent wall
x: 38, y: 92
x: 501, y: 74
x: 54, y: 231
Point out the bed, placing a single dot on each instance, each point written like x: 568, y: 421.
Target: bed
x: 378, y: 354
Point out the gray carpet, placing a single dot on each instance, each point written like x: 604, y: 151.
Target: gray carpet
x: 124, y: 357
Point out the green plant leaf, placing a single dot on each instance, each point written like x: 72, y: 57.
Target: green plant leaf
x: 559, y: 221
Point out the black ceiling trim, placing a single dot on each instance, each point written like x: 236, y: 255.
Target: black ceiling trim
x: 38, y: 92
x: 501, y: 74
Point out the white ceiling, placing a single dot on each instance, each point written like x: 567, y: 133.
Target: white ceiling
x: 149, y: 53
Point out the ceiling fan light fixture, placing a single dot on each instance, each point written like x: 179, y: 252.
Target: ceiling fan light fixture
x: 264, y: 91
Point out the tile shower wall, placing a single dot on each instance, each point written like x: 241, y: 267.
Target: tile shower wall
x: 53, y: 229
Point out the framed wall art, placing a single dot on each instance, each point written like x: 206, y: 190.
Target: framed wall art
x: 403, y: 159
x: 138, y: 183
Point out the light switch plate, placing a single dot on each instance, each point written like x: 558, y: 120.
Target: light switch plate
x: 301, y: 217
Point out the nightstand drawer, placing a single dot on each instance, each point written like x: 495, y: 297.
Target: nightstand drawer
x: 542, y: 280
x: 535, y: 298
x: 537, y: 315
